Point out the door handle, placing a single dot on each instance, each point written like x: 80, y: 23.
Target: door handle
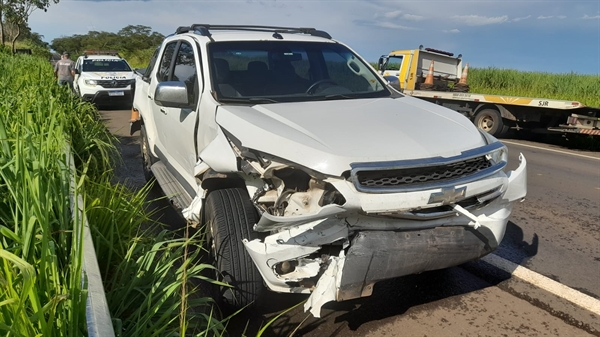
x: 149, y: 96
x: 163, y: 111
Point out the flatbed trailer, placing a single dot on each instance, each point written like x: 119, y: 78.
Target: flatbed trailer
x: 438, y: 77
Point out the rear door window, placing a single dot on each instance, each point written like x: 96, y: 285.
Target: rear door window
x: 164, y: 70
x: 151, y: 64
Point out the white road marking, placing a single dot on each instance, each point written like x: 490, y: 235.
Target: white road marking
x: 551, y: 150
x: 587, y: 302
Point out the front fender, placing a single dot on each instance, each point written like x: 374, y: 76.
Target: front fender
x: 517, y: 182
x: 219, y: 155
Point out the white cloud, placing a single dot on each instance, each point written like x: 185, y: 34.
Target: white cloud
x: 587, y: 17
x: 548, y: 17
x: 398, y: 14
x: 452, y: 31
x: 412, y: 17
x: 393, y: 26
x: 392, y: 15
x: 521, y: 18
x: 478, y: 20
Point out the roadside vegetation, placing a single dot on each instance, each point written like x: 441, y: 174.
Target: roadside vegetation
x: 40, y: 254
x: 146, y: 272
x: 570, y: 87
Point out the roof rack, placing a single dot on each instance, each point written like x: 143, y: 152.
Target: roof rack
x: 204, y: 29
x: 86, y: 53
x: 447, y: 53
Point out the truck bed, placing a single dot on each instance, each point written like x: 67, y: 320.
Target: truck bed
x: 497, y: 99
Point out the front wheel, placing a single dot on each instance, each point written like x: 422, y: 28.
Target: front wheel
x: 229, y: 216
x: 490, y: 121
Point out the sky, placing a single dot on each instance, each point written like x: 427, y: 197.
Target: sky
x: 555, y: 36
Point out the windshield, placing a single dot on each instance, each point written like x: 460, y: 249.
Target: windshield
x: 105, y: 65
x: 280, y: 71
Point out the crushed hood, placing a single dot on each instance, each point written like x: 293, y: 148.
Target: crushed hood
x: 327, y: 136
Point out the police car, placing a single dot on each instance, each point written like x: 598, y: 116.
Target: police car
x: 103, y: 77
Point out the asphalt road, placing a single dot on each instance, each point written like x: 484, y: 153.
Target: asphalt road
x: 555, y: 232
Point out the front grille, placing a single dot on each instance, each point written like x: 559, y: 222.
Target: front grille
x: 114, y: 83
x: 421, y: 175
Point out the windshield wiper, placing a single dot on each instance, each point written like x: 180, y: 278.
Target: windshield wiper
x: 256, y: 100
x: 337, y: 96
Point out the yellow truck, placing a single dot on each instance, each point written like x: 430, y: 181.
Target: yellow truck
x: 439, y: 77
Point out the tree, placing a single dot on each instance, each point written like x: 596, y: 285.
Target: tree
x: 25, y: 33
x: 2, y: 10
x: 72, y: 44
x: 139, y: 37
x: 17, y: 12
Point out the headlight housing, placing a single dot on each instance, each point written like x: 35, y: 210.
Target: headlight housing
x: 91, y: 82
x: 498, y: 156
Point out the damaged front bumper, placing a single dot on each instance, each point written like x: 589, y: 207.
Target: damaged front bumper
x: 339, y: 254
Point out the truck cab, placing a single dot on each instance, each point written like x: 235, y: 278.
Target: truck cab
x: 407, y: 69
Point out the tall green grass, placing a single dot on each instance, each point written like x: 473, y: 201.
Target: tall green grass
x: 40, y: 250
x: 146, y: 273
x: 570, y: 86
x: 149, y: 271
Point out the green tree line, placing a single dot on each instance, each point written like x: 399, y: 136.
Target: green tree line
x: 136, y: 43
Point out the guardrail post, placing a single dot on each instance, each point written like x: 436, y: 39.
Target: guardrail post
x: 99, y: 323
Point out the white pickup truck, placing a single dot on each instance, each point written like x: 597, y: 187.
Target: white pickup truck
x: 309, y: 172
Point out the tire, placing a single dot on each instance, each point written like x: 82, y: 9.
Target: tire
x: 147, y: 158
x: 229, y: 217
x: 490, y: 121
x: 461, y: 88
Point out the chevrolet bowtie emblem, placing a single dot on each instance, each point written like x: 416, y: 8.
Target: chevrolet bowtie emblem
x: 448, y: 195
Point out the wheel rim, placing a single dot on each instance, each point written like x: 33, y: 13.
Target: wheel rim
x: 486, y: 123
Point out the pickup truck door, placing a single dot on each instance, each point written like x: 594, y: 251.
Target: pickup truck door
x: 76, y: 77
x: 175, y: 126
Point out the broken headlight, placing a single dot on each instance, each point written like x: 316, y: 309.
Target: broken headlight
x: 290, y: 189
x: 498, y: 156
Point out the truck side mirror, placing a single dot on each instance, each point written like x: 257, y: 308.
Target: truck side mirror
x: 172, y: 94
x: 382, y: 63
